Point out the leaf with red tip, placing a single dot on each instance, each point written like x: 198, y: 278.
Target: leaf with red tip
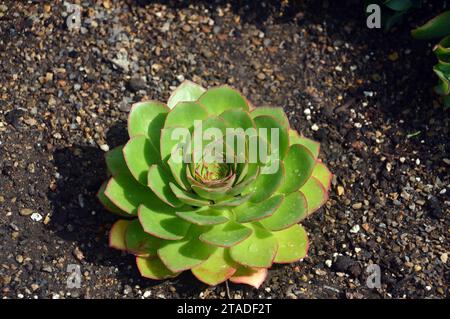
x: 315, y: 194
x: 158, y: 181
x: 117, y: 234
x: 250, y: 276
x: 323, y: 174
x: 186, y: 92
x: 237, y: 118
x: 147, y: 118
x: 291, y: 211
x: 216, y: 269
x: 185, y: 253
x: 225, y: 235
x: 115, y: 162
x: 127, y: 193
x: 153, y: 268
x: 162, y: 224
x: 139, y: 242
x: 184, y: 114
x: 187, y: 197
x: 139, y: 154
x: 258, y: 250
x: 222, y: 98
x: 109, y: 205
x: 298, y: 164
x: 250, y: 212
x: 311, y: 145
x: 292, y: 244
x: 276, y: 112
x: 266, y: 184
x: 203, y: 216
x: 277, y: 135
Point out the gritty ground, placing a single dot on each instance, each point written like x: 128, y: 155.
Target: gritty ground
x: 365, y: 95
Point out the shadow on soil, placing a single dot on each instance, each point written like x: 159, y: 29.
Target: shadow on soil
x: 78, y: 216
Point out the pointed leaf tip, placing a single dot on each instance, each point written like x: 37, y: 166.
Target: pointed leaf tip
x: 251, y: 276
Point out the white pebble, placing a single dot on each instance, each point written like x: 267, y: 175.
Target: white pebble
x: 147, y: 294
x: 328, y: 262
x: 307, y: 111
x: 354, y: 229
x: 36, y: 217
x: 315, y: 127
x: 104, y: 147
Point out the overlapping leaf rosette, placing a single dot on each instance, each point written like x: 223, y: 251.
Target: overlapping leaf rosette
x: 222, y: 219
x: 442, y: 69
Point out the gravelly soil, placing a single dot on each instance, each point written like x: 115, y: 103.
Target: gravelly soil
x: 365, y: 95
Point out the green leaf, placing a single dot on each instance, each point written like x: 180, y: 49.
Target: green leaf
x: 266, y: 184
x: 153, y: 268
x: 442, y: 50
x: 278, y: 145
x: 162, y: 224
x: 276, y: 112
x: 237, y: 118
x: 139, y: 154
x: 226, y: 235
x: 185, y: 253
x: 211, y: 193
x: 139, y: 242
x: 188, y: 198
x: 291, y: 211
x: 158, y: 181
x: 437, y: 27
x: 222, y: 98
x: 115, y: 162
x: 250, y: 212
x: 147, y: 118
x: 243, y: 183
x: 322, y: 173
x: 315, y: 194
x: 184, y: 114
x: 250, y: 276
x: 258, y: 250
x: 127, y: 194
x: 216, y: 269
x: 231, y: 202
x: 203, y: 216
x: 117, y: 234
x: 174, y: 137
x: 123, y: 190
x: 398, y: 5
x: 299, y: 164
x: 109, y: 205
x: 187, y: 91
x: 292, y: 244
x: 312, y: 146
x: 178, y: 169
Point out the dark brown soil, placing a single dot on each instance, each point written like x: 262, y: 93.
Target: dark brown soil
x: 365, y: 95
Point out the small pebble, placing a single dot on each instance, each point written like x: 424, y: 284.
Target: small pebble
x: 26, y: 211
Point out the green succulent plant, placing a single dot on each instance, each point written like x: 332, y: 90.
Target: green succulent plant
x: 222, y: 220
x: 439, y: 27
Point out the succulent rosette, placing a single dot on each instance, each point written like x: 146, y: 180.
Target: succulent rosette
x: 222, y: 219
x: 442, y: 69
